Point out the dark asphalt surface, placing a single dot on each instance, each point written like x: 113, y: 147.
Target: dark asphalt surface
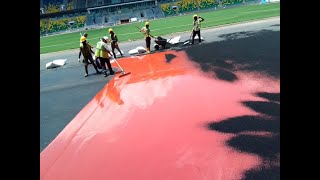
x: 65, y: 91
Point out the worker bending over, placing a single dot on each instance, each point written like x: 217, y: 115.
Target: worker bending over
x: 102, y: 53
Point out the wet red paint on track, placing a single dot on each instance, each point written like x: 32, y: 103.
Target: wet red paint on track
x: 151, y: 125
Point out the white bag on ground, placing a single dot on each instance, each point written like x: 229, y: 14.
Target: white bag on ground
x: 133, y: 51
x: 174, y: 40
x: 56, y: 63
x: 198, y: 37
x: 137, y: 50
x: 141, y: 49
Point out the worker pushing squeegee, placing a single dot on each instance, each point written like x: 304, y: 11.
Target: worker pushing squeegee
x: 84, y: 38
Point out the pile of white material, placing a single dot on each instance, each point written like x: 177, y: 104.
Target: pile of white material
x: 174, y: 40
x: 137, y: 50
x: 197, y: 37
x: 56, y: 63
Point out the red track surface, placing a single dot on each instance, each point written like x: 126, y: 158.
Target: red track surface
x: 151, y: 125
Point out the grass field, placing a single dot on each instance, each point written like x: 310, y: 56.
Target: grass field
x: 162, y: 26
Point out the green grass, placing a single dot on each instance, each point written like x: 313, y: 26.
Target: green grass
x: 162, y: 26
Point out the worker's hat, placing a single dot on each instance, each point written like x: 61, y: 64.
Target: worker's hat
x: 82, y: 39
x: 147, y: 23
x: 195, y: 16
x: 110, y: 29
x: 106, y: 38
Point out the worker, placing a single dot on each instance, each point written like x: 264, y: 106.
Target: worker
x: 86, y: 50
x: 147, y: 35
x: 83, y: 38
x: 114, y: 43
x: 102, y: 53
x: 196, y: 27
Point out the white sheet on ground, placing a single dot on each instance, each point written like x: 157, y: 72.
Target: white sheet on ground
x: 198, y: 37
x: 133, y: 51
x: 56, y: 63
x: 137, y: 50
x: 174, y: 40
x: 141, y: 49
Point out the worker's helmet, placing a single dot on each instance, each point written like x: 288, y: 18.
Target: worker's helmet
x: 147, y: 23
x: 82, y: 39
x: 195, y: 16
x: 110, y: 30
x: 106, y: 38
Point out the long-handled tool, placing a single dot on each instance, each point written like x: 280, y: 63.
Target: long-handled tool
x: 189, y: 40
x: 140, y: 30
x: 123, y: 73
x: 137, y: 27
x: 191, y: 34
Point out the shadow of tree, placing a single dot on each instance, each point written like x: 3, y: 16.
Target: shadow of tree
x: 248, y: 51
x: 252, y: 123
x: 255, y: 51
x: 265, y: 146
x: 224, y: 74
x: 169, y: 57
x: 269, y: 108
x: 263, y: 173
x: 270, y: 96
